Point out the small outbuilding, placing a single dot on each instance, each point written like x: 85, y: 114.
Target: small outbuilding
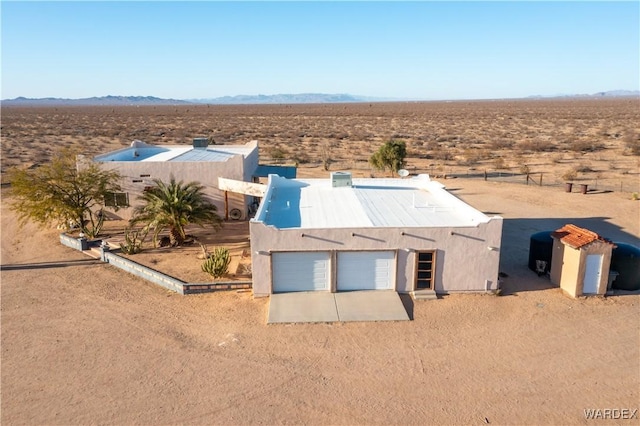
x: 581, y: 260
x: 342, y: 234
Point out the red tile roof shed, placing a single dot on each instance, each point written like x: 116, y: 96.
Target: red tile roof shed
x: 577, y: 237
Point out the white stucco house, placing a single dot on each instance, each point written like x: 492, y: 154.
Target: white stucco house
x: 141, y: 163
x: 342, y: 234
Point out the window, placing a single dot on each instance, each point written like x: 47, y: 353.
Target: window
x: 116, y: 199
x: 425, y: 270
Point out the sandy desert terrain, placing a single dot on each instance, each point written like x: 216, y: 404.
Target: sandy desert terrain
x: 83, y: 342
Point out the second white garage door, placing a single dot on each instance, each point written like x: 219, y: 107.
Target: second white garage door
x: 300, y: 271
x: 366, y: 270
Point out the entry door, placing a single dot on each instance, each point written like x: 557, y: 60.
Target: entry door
x: 366, y: 270
x: 592, y: 274
x: 425, y: 270
x: 300, y: 271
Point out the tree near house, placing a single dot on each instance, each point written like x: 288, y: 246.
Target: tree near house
x: 390, y: 156
x: 175, y: 205
x: 60, y: 193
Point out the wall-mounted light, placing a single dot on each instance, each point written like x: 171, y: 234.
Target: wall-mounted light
x: 263, y: 253
x: 491, y: 248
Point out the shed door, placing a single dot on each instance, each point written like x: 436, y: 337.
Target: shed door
x: 366, y: 270
x: 300, y: 271
x: 592, y: 274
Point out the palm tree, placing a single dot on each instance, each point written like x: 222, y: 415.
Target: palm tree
x: 174, y: 206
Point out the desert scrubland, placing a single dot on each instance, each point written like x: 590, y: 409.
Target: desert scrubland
x: 83, y: 342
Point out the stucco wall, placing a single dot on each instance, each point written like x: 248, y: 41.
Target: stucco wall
x: 571, y: 273
x: 464, y: 261
x: 134, y: 180
x: 555, y: 274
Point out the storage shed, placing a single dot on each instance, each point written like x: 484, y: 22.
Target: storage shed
x: 581, y: 260
x: 343, y: 234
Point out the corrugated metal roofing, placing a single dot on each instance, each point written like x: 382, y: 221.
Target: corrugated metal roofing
x: 577, y: 237
x: 314, y: 203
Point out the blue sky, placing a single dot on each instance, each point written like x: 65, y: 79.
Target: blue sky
x: 408, y: 50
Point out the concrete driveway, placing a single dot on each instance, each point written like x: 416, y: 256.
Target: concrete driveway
x: 320, y: 306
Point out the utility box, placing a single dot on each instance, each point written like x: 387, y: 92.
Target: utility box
x: 200, y: 143
x: 341, y: 179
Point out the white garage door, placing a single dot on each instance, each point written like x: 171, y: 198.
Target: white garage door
x: 300, y: 271
x: 366, y: 270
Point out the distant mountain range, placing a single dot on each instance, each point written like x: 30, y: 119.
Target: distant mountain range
x: 94, y: 101
x: 609, y: 94
x: 300, y: 98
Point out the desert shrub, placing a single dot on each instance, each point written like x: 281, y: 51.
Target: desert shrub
x: 473, y: 156
x: 443, y: 154
x: 525, y: 169
x: 585, y: 146
x: 570, y: 174
x: 583, y: 168
x: 448, y: 138
x: 277, y: 154
x: 500, y: 144
x: 536, y: 145
x: 301, y: 158
x: 632, y: 141
x: 499, y: 163
x: 217, y: 264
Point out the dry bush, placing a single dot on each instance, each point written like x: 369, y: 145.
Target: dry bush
x: 536, y: 145
x: 583, y: 168
x: 585, y: 146
x: 570, y: 174
x: 497, y: 144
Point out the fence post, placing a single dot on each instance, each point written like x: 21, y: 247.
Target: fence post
x: 527, y: 179
x: 540, y: 179
x: 485, y: 175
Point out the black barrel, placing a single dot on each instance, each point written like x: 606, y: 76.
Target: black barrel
x: 540, y: 248
x: 625, y: 260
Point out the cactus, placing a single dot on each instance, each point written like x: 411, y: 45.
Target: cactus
x: 218, y: 262
x: 133, y: 239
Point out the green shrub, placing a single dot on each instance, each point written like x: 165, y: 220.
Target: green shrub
x: 218, y: 263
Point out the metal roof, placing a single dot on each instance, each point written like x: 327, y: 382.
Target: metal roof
x: 314, y: 203
x: 142, y: 152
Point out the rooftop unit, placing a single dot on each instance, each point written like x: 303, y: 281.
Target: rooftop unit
x: 200, y: 143
x: 341, y: 179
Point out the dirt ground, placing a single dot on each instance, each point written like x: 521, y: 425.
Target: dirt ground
x: 85, y: 343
